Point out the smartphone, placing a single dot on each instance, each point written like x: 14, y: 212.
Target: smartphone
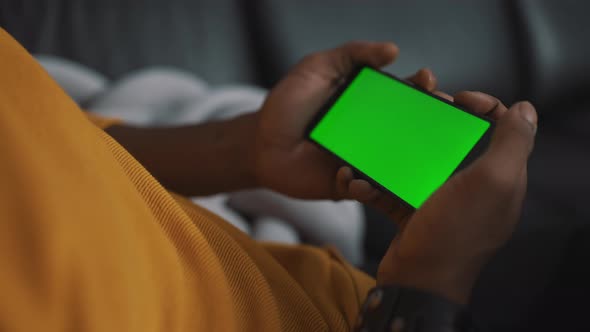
x: 397, y: 136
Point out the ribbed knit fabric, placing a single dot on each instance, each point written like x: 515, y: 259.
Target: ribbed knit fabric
x: 90, y: 241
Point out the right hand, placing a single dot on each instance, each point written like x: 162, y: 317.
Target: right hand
x: 444, y: 244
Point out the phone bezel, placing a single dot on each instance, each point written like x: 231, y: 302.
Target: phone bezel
x: 477, y: 149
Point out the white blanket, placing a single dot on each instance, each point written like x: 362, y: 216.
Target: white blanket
x: 160, y: 97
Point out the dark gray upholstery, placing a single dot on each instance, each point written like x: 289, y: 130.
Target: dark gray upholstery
x: 115, y: 37
x: 556, y: 33
x: 468, y: 46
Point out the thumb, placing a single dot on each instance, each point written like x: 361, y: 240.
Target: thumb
x: 339, y: 62
x: 513, y: 138
x: 346, y: 57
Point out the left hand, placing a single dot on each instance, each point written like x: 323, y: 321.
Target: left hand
x: 285, y: 161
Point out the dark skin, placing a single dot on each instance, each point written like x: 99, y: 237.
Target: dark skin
x: 195, y: 160
x: 441, y: 247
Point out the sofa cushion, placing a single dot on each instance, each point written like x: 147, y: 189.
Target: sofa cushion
x: 115, y: 37
x: 468, y: 47
x: 557, y: 56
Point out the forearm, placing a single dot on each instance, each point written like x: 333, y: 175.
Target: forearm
x: 198, y: 159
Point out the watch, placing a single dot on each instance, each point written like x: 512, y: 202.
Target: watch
x: 403, y: 309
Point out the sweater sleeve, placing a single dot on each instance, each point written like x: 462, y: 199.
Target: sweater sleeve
x: 90, y: 241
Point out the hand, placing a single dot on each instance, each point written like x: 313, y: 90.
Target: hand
x: 284, y: 160
x: 444, y: 244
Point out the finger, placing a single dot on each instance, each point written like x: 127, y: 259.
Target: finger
x: 363, y: 191
x: 338, y: 63
x: 393, y: 207
x: 350, y: 188
x: 425, y: 79
x: 374, y: 54
x: 481, y: 103
x: 513, y: 140
x: 343, y: 178
x: 444, y: 95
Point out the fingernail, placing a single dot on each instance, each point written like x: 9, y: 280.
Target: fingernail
x: 527, y: 111
x: 349, y: 174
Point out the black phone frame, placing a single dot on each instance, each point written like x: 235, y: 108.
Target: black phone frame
x: 476, y: 151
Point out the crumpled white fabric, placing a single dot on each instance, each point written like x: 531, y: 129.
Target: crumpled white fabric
x: 163, y: 96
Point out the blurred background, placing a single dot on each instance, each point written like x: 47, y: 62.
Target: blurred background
x: 513, y: 49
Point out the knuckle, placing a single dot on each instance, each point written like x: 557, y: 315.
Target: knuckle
x: 353, y: 44
x: 498, y: 180
x: 339, y: 193
x: 521, y: 138
x: 311, y: 58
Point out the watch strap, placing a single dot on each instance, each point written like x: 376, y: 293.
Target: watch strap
x: 402, y: 309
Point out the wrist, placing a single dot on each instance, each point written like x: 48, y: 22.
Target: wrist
x: 400, y: 308
x: 246, y: 128
x: 452, y: 281
x: 249, y: 147
x: 196, y: 160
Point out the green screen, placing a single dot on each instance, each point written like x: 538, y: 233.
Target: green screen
x: 403, y: 139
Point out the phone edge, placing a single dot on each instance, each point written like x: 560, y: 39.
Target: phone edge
x: 359, y: 174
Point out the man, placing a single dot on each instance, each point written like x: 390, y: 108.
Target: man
x: 91, y: 241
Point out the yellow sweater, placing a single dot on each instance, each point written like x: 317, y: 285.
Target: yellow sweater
x: 90, y: 241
